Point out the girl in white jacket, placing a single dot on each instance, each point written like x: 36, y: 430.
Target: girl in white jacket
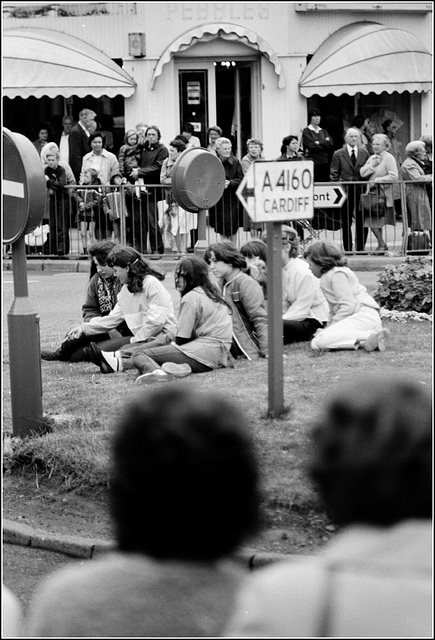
x: 354, y: 320
x: 144, y: 304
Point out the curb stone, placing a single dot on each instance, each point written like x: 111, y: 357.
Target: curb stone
x: 356, y: 263
x: 88, y: 548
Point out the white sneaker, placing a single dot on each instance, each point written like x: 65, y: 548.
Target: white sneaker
x: 376, y: 340
x: 176, y: 370
x: 158, y: 375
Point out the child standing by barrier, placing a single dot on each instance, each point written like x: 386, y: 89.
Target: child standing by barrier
x: 355, y: 320
x: 129, y: 154
x: 56, y: 180
x: 115, y: 207
x: 89, y: 207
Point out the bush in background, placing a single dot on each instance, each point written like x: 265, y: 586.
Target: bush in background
x: 406, y: 287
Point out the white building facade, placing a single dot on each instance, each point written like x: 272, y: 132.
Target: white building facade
x: 253, y: 68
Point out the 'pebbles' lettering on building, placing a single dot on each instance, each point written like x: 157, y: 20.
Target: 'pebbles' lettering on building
x: 217, y: 11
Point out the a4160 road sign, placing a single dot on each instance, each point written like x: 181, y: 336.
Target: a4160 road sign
x: 328, y: 196
x: 274, y: 191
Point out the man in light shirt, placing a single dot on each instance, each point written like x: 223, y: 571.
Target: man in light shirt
x: 63, y: 141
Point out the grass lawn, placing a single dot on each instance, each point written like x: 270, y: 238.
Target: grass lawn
x: 87, y: 404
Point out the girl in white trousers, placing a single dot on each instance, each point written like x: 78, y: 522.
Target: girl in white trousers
x: 355, y: 320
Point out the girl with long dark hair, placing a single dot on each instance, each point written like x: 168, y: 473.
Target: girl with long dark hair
x: 204, y: 331
x: 143, y: 302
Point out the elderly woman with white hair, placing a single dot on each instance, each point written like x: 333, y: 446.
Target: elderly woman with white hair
x: 379, y: 169
x: 227, y: 216
x: 50, y: 148
x: 69, y: 205
x: 417, y: 200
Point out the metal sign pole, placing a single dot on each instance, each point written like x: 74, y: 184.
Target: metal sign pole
x: 271, y: 192
x: 201, y: 243
x: 24, y: 197
x: 275, y: 326
x: 24, y: 352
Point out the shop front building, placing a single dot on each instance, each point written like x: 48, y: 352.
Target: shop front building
x: 254, y: 69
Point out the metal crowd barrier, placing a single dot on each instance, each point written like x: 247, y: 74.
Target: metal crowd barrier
x: 141, y: 217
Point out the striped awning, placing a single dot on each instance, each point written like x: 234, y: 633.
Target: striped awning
x: 367, y: 57
x: 44, y: 62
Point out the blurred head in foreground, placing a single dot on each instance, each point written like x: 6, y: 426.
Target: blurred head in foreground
x: 372, y: 454
x: 184, y: 478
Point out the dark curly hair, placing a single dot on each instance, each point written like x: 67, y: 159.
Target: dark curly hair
x: 178, y: 144
x: 312, y: 113
x: 156, y: 129
x: 184, y: 477
x: 195, y: 272
x: 138, y: 267
x: 285, y: 143
x: 372, y: 453
x: 254, y: 249
x: 227, y: 252
x: 96, y: 134
x: 100, y: 250
x: 326, y: 255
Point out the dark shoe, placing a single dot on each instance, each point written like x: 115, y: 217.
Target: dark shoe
x: 52, y: 355
x: 90, y: 355
x: 105, y: 367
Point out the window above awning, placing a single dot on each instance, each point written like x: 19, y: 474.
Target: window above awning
x: 368, y: 57
x: 43, y: 62
x: 207, y: 32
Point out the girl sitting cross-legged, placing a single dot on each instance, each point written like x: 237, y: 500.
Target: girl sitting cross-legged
x: 204, y: 331
x: 144, y: 304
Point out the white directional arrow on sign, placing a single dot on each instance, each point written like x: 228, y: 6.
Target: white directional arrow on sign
x: 329, y: 196
x: 245, y: 191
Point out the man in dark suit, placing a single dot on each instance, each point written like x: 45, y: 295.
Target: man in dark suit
x: 345, y: 165
x: 78, y: 141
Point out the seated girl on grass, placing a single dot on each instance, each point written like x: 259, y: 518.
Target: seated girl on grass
x: 101, y: 294
x: 143, y: 302
x: 354, y: 320
x: 245, y: 297
x: 203, y: 337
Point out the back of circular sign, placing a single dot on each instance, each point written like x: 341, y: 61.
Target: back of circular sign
x: 198, y: 179
x: 24, y: 190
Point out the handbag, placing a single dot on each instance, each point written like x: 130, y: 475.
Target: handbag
x: 373, y: 203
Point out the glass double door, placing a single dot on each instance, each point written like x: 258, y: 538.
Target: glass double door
x: 219, y: 93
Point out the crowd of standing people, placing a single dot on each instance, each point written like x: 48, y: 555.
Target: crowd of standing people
x: 104, y: 188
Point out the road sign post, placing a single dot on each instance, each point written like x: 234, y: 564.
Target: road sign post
x: 24, y: 194
x: 276, y: 192
x: 275, y: 364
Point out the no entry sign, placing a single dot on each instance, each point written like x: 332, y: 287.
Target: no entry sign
x: 24, y: 190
